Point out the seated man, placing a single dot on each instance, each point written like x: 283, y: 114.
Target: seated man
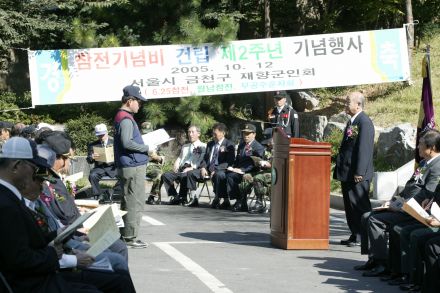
x: 5, y: 131
x: 262, y: 181
x: 243, y: 164
x: 189, y: 159
x: 154, y: 167
x: 26, y: 261
x: 420, y: 187
x: 220, y: 154
x: 117, y: 280
x: 101, y: 169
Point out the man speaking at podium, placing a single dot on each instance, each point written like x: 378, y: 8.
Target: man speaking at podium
x: 354, y: 165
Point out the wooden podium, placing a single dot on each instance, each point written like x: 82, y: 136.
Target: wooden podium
x: 300, y: 199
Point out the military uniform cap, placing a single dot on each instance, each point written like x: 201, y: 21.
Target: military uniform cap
x: 248, y: 127
x: 280, y: 95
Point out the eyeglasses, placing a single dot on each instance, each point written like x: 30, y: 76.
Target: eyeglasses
x: 38, y: 172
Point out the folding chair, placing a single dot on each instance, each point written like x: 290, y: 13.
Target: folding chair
x: 204, y: 181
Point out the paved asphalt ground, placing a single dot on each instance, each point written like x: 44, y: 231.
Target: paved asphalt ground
x: 196, y: 250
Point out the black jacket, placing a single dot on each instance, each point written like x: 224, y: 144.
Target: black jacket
x: 356, y: 152
x: 27, y: 263
x: 287, y: 119
x: 243, y: 160
x: 226, y: 155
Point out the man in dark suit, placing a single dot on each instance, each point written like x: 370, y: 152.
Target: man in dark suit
x: 101, y: 169
x: 26, y: 261
x: 354, y: 165
x: 243, y: 164
x: 421, y: 187
x: 220, y: 154
x: 283, y: 115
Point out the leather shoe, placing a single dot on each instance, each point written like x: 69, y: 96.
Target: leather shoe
x: 390, y: 277
x: 193, y: 203
x: 175, y: 201
x: 225, y: 204
x: 409, y: 287
x: 403, y: 280
x: 352, y: 238
x: 353, y: 244
x: 215, y: 203
x: 150, y: 200
x: 366, y: 266
x: 377, y: 271
x: 238, y: 207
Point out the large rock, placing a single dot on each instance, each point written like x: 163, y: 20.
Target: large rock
x: 312, y: 126
x: 396, y: 145
x: 331, y: 126
x: 304, y: 100
x: 340, y: 118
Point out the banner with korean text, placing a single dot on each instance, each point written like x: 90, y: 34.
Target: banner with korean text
x: 260, y: 65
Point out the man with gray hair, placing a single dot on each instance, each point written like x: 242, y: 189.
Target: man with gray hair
x: 354, y: 165
x: 191, y: 155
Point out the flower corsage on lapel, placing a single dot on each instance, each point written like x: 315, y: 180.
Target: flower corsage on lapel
x: 352, y: 131
x: 222, y: 149
x: 58, y: 197
x: 71, y: 187
x: 197, y: 151
x: 418, y: 173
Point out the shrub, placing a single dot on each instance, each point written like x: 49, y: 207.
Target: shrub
x: 335, y: 139
x: 81, y: 130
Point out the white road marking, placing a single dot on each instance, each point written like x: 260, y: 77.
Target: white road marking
x: 152, y: 221
x: 203, y: 275
x: 212, y: 242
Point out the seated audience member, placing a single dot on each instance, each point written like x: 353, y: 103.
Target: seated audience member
x: 5, y: 131
x: 28, y: 132
x: 154, y: 167
x: 17, y: 129
x: 220, y: 154
x: 26, y: 261
x: 100, y: 169
x: 262, y: 181
x: 41, y: 205
x: 117, y: 280
x: 189, y: 159
x: 60, y: 201
x: 243, y: 164
x: 420, y: 187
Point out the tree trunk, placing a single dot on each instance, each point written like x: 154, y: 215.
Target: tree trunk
x: 409, y: 32
x: 268, y: 97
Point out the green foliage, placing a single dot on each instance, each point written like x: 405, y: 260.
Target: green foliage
x: 11, y: 105
x: 335, y: 139
x: 382, y: 165
x: 81, y: 130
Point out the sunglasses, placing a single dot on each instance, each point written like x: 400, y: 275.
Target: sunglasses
x: 40, y: 173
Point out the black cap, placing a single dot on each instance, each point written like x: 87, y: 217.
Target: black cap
x: 59, y: 143
x: 280, y: 95
x: 6, y: 124
x: 133, y: 91
x: 248, y: 127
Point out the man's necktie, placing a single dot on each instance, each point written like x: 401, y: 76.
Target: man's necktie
x: 214, y: 158
x: 247, y: 149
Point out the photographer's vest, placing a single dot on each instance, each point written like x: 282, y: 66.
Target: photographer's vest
x: 126, y: 158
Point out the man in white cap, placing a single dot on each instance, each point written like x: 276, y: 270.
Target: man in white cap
x: 101, y: 168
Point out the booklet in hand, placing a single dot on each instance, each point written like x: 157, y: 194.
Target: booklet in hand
x: 72, y: 228
x: 156, y: 137
x: 413, y: 208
